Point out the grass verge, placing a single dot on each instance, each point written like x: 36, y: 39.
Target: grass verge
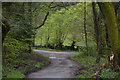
x: 54, y: 49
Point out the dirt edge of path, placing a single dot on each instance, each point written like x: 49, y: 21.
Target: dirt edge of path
x: 81, y: 67
x: 34, y: 69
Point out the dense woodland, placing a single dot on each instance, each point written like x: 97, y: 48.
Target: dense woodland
x: 90, y: 28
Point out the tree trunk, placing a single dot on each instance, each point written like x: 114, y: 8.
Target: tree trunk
x: 33, y: 43
x: 85, y: 28
x: 30, y: 20
x: 97, y: 28
x: 5, y: 24
x: 107, y: 37
x: 30, y: 12
x: 48, y: 37
x: 112, y: 27
x: 47, y: 41
x: 41, y: 40
x: 100, y: 41
x: 5, y: 28
x: 116, y: 7
x: 60, y: 44
x: 95, y: 22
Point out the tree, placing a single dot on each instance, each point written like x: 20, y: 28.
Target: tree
x: 5, y: 28
x: 85, y: 27
x: 112, y: 27
x: 5, y: 24
x: 98, y: 31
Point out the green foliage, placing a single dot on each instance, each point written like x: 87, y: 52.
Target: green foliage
x: 29, y: 64
x: 23, y: 29
x: 5, y: 70
x: 15, y: 74
x: 13, y: 49
x: 66, y: 30
x: 56, y: 30
x: 108, y: 73
x: 38, y: 65
x: 9, y: 73
x: 90, y: 66
x: 85, y: 76
x: 17, y: 44
x: 81, y: 76
x: 91, y: 50
x: 87, y: 61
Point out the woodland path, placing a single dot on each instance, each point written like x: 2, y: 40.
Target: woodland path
x: 61, y: 65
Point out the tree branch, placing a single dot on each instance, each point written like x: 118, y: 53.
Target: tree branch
x: 44, y: 18
x: 43, y: 21
x: 117, y: 7
x: 48, y: 13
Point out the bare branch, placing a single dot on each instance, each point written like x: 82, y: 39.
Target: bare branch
x: 43, y: 21
x: 44, y: 18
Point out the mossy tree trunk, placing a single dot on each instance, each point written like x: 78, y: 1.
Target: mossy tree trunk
x: 112, y: 27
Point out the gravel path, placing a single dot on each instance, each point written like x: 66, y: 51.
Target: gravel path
x: 61, y: 66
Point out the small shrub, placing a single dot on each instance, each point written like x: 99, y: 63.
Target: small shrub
x: 91, y: 50
x: 15, y: 74
x: 81, y: 76
x: 108, y: 73
x: 38, y: 65
x: 13, y: 49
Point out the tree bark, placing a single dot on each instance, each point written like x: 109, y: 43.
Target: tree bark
x: 97, y: 28
x: 5, y: 28
x: 85, y: 28
x: 95, y: 22
x: 116, y: 7
x: 100, y: 41
x: 107, y: 37
x: 112, y: 27
x: 5, y: 24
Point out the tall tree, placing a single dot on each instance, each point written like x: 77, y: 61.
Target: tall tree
x: 112, y: 27
x: 85, y: 28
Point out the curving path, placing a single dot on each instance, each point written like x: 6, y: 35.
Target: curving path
x: 61, y: 66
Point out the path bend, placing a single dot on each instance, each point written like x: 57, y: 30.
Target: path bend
x: 61, y: 65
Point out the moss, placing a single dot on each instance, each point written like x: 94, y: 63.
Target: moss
x: 110, y: 19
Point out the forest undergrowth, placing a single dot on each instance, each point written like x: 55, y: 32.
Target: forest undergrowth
x: 18, y: 62
x: 91, y: 67
x: 32, y: 63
